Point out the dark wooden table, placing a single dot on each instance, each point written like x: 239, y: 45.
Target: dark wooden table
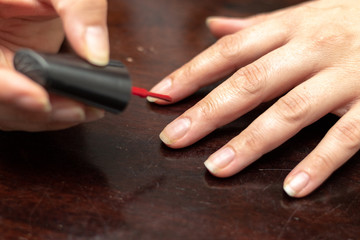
x: 114, y: 179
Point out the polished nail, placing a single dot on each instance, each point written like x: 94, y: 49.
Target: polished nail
x: 220, y: 159
x: 70, y: 114
x: 175, y: 130
x: 297, y: 183
x: 162, y: 87
x: 97, y: 45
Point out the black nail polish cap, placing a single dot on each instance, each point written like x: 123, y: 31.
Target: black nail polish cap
x: 107, y: 87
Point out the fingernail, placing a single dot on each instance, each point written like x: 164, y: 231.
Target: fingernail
x: 236, y: 21
x: 211, y: 19
x: 93, y: 114
x: 220, y: 159
x: 71, y: 114
x: 296, y: 183
x: 31, y: 103
x: 97, y: 45
x: 162, y: 87
x: 175, y: 130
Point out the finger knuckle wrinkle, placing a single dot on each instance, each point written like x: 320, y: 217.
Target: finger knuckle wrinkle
x: 324, y: 162
x: 329, y: 39
x: 229, y: 46
x: 189, y: 70
x: 250, y: 79
x: 293, y: 107
x: 253, y: 140
x: 348, y: 133
x: 207, y: 109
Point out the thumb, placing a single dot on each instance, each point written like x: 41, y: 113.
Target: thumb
x: 85, y: 25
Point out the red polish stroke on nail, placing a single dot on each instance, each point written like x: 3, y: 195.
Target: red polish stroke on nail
x: 141, y: 92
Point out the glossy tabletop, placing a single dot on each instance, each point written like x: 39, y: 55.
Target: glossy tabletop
x: 114, y: 179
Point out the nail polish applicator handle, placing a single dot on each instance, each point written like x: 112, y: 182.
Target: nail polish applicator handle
x: 106, y: 87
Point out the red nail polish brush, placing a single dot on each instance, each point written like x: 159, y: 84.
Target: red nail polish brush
x: 106, y: 87
x: 141, y: 92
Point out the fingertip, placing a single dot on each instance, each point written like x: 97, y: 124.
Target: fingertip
x: 93, y: 114
x: 97, y: 45
x: 26, y: 94
x: 211, y: 167
x: 175, y: 131
x: 164, y: 138
x: 222, y: 163
x: 152, y: 99
x: 297, y: 185
x: 163, y: 87
x: 212, y: 19
x: 221, y: 26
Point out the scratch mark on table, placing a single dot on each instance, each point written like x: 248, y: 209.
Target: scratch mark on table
x: 35, y: 208
x: 274, y: 169
x: 328, y: 212
x: 96, y: 210
x: 287, y: 223
x: 353, y: 200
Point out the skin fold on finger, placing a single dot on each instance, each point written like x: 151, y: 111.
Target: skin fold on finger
x: 221, y: 59
x: 22, y: 93
x: 26, y: 9
x: 27, y: 126
x: 300, y: 107
x: 44, y: 35
x: 67, y: 110
x: 15, y: 119
x: 247, y: 88
x: 28, y: 24
x: 64, y: 114
x: 85, y: 24
x: 338, y: 146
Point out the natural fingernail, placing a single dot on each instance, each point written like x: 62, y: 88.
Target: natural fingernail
x: 220, y: 159
x: 296, y: 183
x: 97, y: 45
x: 37, y: 104
x: 162, y: 87
x: 71, y: 114
x: 93, y: 114
x: 211, y: 19
x: 175, y: 130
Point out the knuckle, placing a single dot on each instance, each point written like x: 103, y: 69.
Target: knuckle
x: 293, y: 107
x: 207, y: 109
x: 324, y: 162
x: 253, y: 140
x: 250, y: 79
x: 60, y: 7
x: 187, y: 73
x: 348, y: 133
x: 229, y: 46
x: 326, y: 40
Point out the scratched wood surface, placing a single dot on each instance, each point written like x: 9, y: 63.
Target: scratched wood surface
x: 113, y: 179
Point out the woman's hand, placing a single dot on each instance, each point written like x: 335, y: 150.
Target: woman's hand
x: 309, y: 54
x: 42, y: 25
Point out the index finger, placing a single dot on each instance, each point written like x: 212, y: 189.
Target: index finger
x: 227, y: 55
